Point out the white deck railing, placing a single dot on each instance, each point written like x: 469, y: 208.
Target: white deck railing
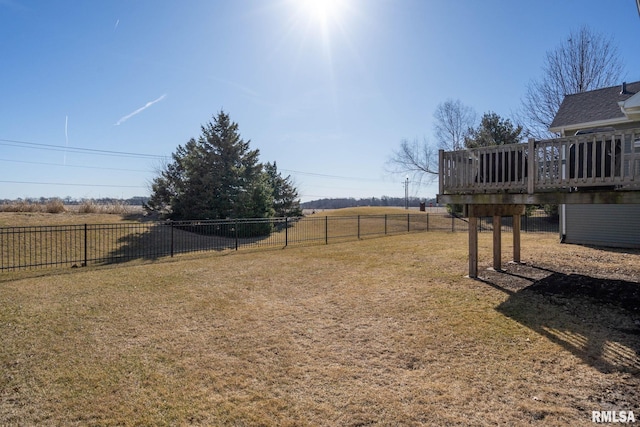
x: 608, y: 159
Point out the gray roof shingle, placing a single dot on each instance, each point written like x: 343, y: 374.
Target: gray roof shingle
x: 592, y: 106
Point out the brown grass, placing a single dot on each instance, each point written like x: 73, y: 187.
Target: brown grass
x: 56, y: 206
x: 53, y: 206
x: 91, y: 207
x: 381, y: 331
x: 69, y: 217
x: 366, y: 210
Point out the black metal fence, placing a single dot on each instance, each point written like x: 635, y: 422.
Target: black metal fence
x: 95, y: 244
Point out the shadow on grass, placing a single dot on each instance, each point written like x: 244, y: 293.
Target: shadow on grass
x: 597, y: 320
x: 151, y: 241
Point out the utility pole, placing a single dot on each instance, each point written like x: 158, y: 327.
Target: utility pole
x: 406, y: 191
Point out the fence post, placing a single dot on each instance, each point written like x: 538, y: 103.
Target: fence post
x: 326, y: 230
x: 85, y: 245
x: 172, y: 248
x: 453, y: 223
x: 286, y: 231
x: 473, y: 246
x: 358, y: 227
x: 408, y: 223
x: 236, y: 234
x: 385, y: 224
x: 516, y: 238
x: 427, y: 222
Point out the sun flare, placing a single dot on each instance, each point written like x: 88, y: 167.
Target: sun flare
x: 322, y: 10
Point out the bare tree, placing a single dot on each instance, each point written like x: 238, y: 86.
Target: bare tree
x: 415, y: 158
x: 453, y: 121
x: 586, y: 61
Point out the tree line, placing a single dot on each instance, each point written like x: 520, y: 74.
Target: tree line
x: 350, y: 202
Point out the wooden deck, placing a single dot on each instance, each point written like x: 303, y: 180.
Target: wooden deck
x: 591, y: 168
x: 498, y: 181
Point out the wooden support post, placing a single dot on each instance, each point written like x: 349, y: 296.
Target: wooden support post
x: 516, y: 238
x: 473, y: 247
x: 497, y: 242
x: 497, y: 212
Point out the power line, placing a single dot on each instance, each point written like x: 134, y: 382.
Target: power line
x: 73, y: 185
x: 72, y: 149
x: 52, y: 147
x: 74, y: 166
x: 329, y: 176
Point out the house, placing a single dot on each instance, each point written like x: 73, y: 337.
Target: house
x: 606, y: 109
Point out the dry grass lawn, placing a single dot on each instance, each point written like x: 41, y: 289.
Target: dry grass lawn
x: 33, y: 219
x: 381, y: 331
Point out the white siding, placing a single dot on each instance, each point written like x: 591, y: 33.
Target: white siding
x: 603, y: 225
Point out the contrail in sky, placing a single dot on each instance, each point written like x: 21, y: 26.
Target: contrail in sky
x: 116, y: 26
x: 139, y: 110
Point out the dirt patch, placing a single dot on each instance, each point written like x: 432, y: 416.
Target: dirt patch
x: 604, y: 276
x: 559, y: 285
x: 591, y: 309
x: 619, y: 293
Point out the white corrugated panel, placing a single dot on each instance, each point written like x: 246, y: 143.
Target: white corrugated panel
x: 603, y: 225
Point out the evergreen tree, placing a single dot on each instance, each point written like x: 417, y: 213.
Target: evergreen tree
x: 216, y: 176
x: 286, y: 201
x: 493, y: 130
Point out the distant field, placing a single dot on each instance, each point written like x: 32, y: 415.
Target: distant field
x: 29, y: 219
x: 373, y: 210
x: 72, y: 217
x: 378, y: 331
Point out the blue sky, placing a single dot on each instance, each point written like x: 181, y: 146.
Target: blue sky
x: 328, y: 95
